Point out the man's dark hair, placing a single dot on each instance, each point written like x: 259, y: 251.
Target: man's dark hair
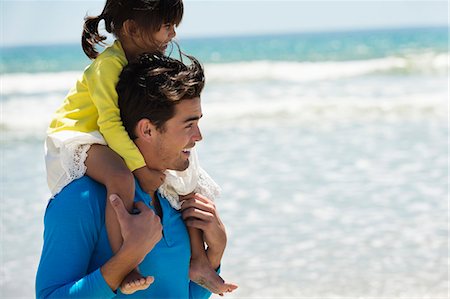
x: 152, y: 86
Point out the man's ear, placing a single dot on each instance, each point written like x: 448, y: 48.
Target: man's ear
x: 145, y: 129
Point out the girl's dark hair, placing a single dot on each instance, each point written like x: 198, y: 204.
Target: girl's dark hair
x: 148, y: 14
x: 151, y: 87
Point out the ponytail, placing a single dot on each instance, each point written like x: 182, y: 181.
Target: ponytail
x: 91, y: 37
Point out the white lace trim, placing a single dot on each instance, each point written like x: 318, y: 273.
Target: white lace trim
x: 73, y: 161
x: 65, y: 156
x: 193, y: 179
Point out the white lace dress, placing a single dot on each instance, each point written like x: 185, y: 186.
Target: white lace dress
x: 65, y: 154
x: 193, y: 179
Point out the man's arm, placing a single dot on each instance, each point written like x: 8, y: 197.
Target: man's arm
x: 72, y: 228
x: 140, y: 234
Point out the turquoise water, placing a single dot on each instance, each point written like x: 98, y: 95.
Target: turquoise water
x: 313, y: 47
x: 331, y: 149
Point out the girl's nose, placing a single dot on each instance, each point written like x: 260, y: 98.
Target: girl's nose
x: 173, y: 33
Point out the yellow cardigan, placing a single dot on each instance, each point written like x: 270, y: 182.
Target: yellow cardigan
x: 92, y: 105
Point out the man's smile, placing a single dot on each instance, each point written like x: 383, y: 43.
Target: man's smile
x: 187, y: 150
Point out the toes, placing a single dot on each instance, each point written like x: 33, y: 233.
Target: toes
x: 149, y: 280
x: 231, y: 287
x: 140, y: 282
x: 126, y: 289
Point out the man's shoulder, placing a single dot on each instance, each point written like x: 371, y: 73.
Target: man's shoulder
x: 85, y: 183
x: 82, y: 196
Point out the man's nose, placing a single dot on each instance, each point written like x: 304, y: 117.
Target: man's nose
x: 197, y: 135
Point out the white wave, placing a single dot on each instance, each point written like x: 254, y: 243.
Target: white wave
x: 324, y: 111
x: 240, y: 72
x: 314, y: 71
x: 38, y: 83
x: 28, y: 100
x: 32, y: 115
x: 29, y: 113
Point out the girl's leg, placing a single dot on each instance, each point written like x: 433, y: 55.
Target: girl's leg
x: 201, y: 270
x: 107, y: 167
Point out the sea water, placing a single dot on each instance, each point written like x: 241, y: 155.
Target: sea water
x: 331, y: 149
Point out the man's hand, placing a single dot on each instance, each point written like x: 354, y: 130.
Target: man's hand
x: 200, y: 212
x: 140, y: 232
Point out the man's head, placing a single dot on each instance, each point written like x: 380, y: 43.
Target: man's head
x: 159, y: 101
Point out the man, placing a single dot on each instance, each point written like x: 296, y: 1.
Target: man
x: 159, y: 99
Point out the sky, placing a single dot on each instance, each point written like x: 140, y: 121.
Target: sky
x: 37, y: 22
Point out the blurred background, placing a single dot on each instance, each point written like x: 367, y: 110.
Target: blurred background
x: 325, y: 123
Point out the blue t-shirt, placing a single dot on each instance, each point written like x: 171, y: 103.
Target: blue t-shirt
x: 76, y: 246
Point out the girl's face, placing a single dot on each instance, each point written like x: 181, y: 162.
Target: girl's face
x: 143, y: 42
x: 163, y: 37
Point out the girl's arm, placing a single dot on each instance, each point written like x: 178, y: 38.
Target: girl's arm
x: 102, y: 78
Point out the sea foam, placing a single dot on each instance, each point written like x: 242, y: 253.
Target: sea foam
x: 392, y: 88
x: 238, y: 72
x: 425, y: 63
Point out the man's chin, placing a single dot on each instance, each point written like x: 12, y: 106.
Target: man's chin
x: 182, y: 167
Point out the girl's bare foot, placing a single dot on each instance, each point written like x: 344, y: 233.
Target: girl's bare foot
x: 134, y: 282
x: 203, y: 274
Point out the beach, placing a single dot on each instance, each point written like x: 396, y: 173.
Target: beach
x: 331, y: 149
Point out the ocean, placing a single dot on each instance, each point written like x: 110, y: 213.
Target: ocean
x: 331, y: 149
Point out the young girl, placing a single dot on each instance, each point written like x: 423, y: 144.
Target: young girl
x: 86, y: 135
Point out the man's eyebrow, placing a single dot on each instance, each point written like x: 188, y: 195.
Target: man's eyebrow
x: 193, y: 118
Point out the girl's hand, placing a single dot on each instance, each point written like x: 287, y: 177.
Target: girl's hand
x: 149, y: 179
x: 200, y: 212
